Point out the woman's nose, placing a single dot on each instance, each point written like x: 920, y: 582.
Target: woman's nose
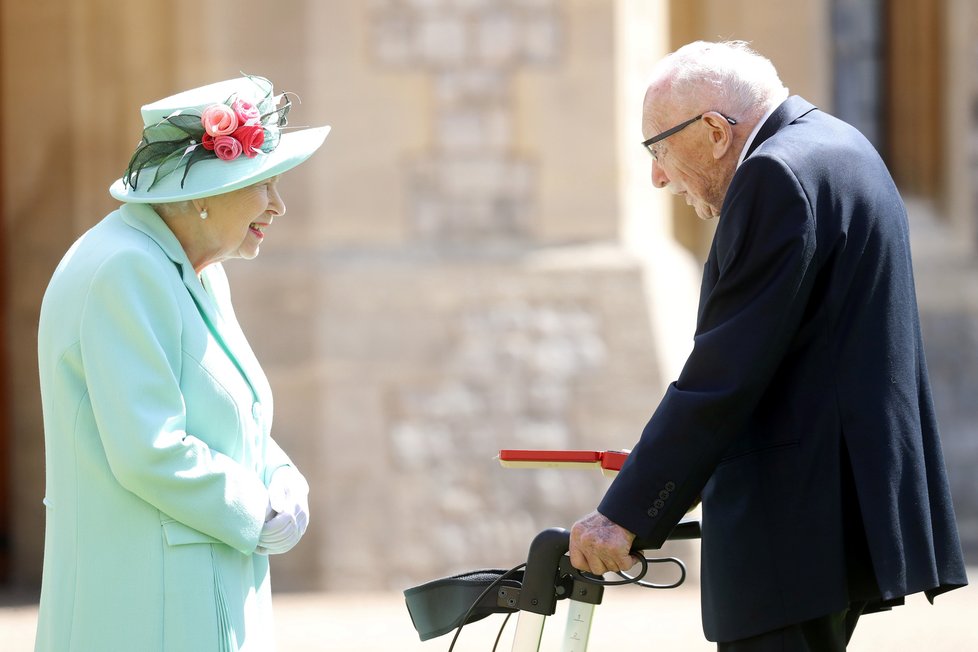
x: 659, y: 178
x: 275, y: 202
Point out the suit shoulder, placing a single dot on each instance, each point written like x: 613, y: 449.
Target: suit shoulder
x: 817, y: 140
x: 111, y: 258
x: 112, y: 244
x: 112, y: 269
x: 768, y: 174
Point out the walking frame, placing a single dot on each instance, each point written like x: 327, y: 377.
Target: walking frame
x: 533, y: 589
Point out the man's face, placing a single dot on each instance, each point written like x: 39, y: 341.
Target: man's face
x: 685, y: 163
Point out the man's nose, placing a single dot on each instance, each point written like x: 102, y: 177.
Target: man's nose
x: 659, y: 178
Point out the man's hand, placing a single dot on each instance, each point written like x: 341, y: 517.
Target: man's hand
x: 600, y: 546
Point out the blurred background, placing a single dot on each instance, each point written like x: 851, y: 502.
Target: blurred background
x: 476, y: 259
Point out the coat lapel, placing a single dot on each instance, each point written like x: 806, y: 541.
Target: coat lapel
x: 220, y: 319
x: 790, y: 110
x: 711, y: 274
x: 215, y: 284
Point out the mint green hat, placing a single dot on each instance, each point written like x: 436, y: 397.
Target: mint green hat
x: 214, y: 139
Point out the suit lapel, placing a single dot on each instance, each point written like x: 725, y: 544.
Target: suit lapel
x: 711, y: 274
x: 224, y: 327
x: 790, y: 110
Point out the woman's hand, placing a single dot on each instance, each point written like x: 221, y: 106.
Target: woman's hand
x: 287, y: 516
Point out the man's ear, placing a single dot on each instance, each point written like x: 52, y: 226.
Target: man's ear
x: 720, y: 133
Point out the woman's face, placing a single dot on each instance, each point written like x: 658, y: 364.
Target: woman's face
x: 237, y: 222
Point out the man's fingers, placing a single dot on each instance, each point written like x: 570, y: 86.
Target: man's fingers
x: 590, y: 557
x: 599, y: 546
x: 595, y: 564
x: 628, y: 562
x: 577, y: 558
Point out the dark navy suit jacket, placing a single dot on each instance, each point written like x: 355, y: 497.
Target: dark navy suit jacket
x: 803, y: 416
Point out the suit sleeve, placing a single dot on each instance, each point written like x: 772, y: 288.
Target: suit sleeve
x: 765, y: 254
x: 131, y: 346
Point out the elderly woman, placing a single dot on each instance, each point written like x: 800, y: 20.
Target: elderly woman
x: 165, y: 490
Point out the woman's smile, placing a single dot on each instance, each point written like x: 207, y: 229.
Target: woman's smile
x: 258, y: 229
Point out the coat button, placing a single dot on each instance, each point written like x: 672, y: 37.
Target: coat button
x: 659, y: 504
x: 670, y: 486
x: 664, y: 495
x: 256, y: 410
x: 653, y: 512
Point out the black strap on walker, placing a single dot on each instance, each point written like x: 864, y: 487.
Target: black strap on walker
x: 440, y: 606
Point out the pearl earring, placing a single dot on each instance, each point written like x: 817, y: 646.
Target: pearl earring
x: 203, y: 214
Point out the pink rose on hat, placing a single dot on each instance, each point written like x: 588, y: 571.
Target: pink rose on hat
x: 219, y: 120
x: 232, y: 130
x: 246, y: 112
x: 227, y: 148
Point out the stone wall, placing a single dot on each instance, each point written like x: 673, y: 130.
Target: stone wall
x: 471, y: 182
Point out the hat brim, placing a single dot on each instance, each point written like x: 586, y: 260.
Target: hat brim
x: 215, y: 177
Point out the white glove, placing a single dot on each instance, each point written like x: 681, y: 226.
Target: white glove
x: 278, y: 535
x: 288, y: 493
x: 287, y: 515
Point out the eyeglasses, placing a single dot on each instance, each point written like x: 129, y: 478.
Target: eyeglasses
x: 668, y: 132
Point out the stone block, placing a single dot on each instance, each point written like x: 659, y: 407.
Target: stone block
x: 393, y: 39
x: 442, y: 40
x: 497, y: 38
x: 471, y: 85
x: 458, y: 198
x: 473, y: 129
x: 540, y: 39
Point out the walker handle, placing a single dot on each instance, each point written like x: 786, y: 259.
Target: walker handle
x: 547, y: 549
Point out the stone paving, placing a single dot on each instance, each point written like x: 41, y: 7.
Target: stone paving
x: 628, y: 619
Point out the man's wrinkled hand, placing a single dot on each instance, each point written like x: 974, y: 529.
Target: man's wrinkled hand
x: 600, y: 546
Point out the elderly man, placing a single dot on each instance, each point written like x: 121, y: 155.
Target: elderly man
x: 803, y: 416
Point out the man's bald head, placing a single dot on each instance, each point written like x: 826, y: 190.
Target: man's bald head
x: 702, y: 103
x: 728, y: 77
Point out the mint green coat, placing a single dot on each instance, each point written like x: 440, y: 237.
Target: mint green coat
x: 158, y: 453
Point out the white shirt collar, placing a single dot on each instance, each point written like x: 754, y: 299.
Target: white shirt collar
x: 757, y: 128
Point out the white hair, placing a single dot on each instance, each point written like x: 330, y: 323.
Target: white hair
x: 730, y: 75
